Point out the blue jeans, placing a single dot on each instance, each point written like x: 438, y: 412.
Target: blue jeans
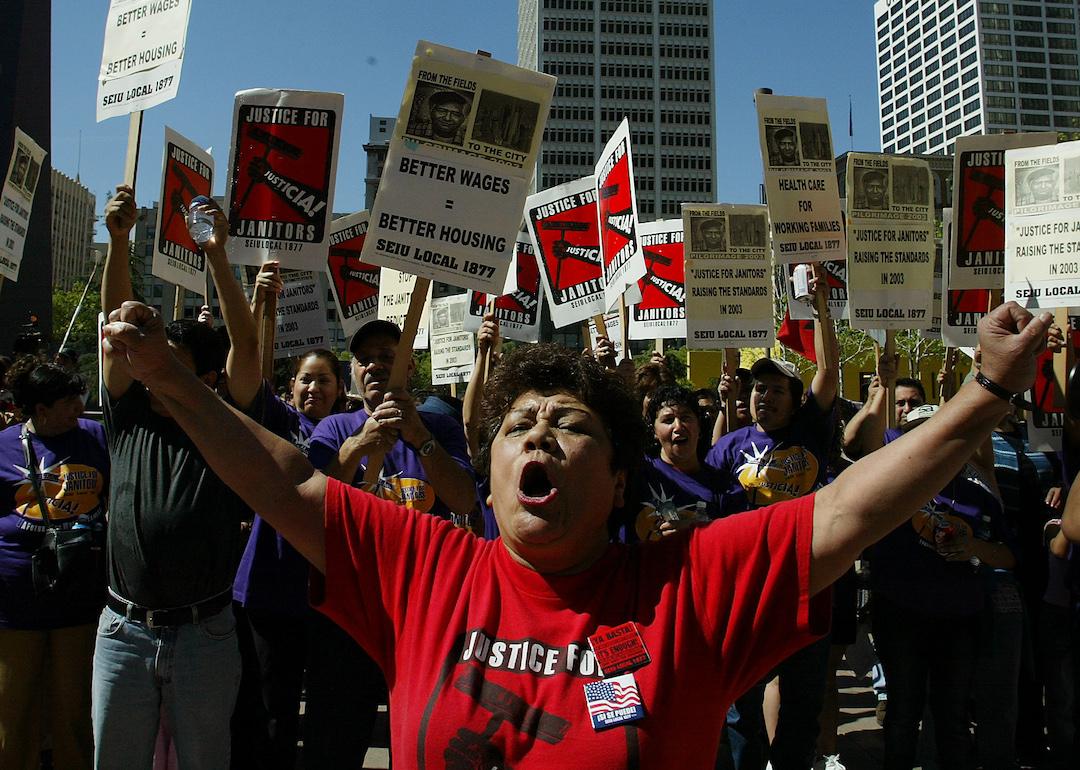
x: 187, y: 674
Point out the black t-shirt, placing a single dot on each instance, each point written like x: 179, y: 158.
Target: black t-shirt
x: 174, y: 526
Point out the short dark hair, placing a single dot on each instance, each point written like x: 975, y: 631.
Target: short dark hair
x: 200, y: 341
x: 911, y: 382
x: 672, y: 395
x: 33, y: 381
x: 324, y: 355
x: 648, y: 377
x: 548, y: 368
x: 708, y: 393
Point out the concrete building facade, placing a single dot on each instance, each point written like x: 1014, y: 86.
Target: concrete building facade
x: 73, y: 207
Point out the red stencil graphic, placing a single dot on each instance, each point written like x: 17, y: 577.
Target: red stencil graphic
x: 615, y: 200
x: 665, y: 278
x: 180, y: 185
x: 980, y: 221
x: 523, y: 302
x: 354, y: 279
x: 569, y: 248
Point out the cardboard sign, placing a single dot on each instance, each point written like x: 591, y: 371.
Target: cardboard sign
x: 355, y: 283
x: 620, y: 247
x: 459, y: 168
x: 613, y: 325
x: 962, y: 309
x: 282, y: 165
x: 187, y: 171
x: 800, y: 179
x: 661, y: 313
x: 517, y: 311
x: 890, y: 233
x: 1042, y: 235
x: 729, y: 276
x: 17, y: 200
x: 453, y: 350
x: 837, y: 275
x: 395, y: 291
x: 978, y: 237
x: 142, y: 55
x: 564, y: 227
x: 301, y: 316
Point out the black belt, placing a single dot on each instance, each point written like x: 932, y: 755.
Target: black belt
x: 173, y: 616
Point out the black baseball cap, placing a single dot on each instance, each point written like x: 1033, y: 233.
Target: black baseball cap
x: 376, y: 328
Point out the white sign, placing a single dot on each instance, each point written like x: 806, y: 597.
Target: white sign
x: 890, y: 225
x: 800, y: 179
x: 301, y: 317
x: 620, y: 245
x: 395, y: 293
x: 1042, y: 232
x: 142, y: 55
x: 187, y: 171
x: 729, y: 276
x: 20, y: 184
x: 279, y: 192
x: 459, y: 168
x: 453, y: 351
x: 613, y: 326
x: 961, y: 308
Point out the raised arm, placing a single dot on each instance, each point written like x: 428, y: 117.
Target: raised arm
x: 826, y: 382
x: 487, y: 342
x: 243, y: 367
x: 883, y: 490
x: 116, y: 287
x: 267, y: 472
x: 866, y: 431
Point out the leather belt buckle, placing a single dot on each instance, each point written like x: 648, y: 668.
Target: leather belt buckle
x: 150, y: 618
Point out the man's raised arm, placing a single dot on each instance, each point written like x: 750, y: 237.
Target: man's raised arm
x: 883, y: 490
x: 267, y: 472
x: 116, y: 287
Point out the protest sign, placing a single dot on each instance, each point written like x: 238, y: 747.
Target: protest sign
x: 836, y: 274
x: 395, y: 292
x: 453, y: 352
x: 961, y: 308
x: 1042, y: 235
x: 187, y: 171
x: 17, y: 200
x: 800, y: 179
x: 355, y: 283
x: 282, y: 165
x: 459, y: 168
x: 890, y: 232
x: 978, y: 233
x: 142, y: 55
x: 301, y: 316
x: 729, y: 290
x: 613, y: 327
x: 564, y: 227
x: 933, y: 331
x: 517, y: 311
x: 661, y: 313
x: 620, y: 248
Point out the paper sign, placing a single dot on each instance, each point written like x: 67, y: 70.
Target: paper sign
x: 355, y: 283
x: 729, y: 276
x: 564, y: 227
x: 395, y: 293
x: 620, y: 248
x: 142, y: 55
x: 661, y: 313
x: 978, y: 239
x: 459, y: 168
x: 301, y: 316
x: 613, y: 326
x: 517, y: 311
x: 282, y: 165
x: 187, y: 171
x: 890, y: 229
x: 1042, y: 236
x: 453, y: 351
x: 961, y: 308
x: 17, y: 200
x: 836, y: 274
x: 800, y: 179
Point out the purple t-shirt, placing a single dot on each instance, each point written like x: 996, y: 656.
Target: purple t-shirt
x: 402, y: 479
x: 908, y: 571
x: 74, y: 471
x: 759, y: 468
x: 665, y: 492
x: 272, y: 574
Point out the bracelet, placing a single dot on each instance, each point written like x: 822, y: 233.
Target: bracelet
x: 994, y: 388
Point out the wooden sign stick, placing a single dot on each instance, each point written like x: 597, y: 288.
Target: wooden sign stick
x: 890, y: 388
x: 623, y: 324
x: 731, y: 363
x: 659, y: 343
x: 399, y: 372
x: 267, y: 327
x: 178, y: 303
x: 601, y: 327
x: 1061, y: 362
x: 485, y: 360
x: 131, y: 159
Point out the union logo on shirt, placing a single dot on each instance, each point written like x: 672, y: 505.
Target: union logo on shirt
x: 659, y: 508
x: 70, y: 490
x: 770, y: 475
x: 406, y: 492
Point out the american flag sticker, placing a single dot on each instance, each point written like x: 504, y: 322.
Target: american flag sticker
x: 613, y: 701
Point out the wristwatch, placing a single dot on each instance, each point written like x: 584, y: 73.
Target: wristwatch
x: 427, y: 447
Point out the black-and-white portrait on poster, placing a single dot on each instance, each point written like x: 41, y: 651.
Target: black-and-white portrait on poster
x: 440, y: 114
x: 710, y: 234
x: 1035, y: 186
x: 871, y: 189
x: 783, y: 145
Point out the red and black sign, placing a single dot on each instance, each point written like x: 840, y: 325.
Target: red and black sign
x: 184, y: 177
x: 356, y: 283
x: 979, y: 222
x: 618, y: 220
x: 569, y: 241
x: 519, y: 308
x: 966, y: 306
x: 663, y: 288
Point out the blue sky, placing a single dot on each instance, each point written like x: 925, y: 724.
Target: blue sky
x: 363, y: 49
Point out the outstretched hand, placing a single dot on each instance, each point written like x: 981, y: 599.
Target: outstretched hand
x: 134, y: 339
x: 1009, y: 339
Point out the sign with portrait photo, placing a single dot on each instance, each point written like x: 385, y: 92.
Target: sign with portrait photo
x: 282, y: 166
x: 355, y: 283
x: 459, y: 168
x: 17, y: 200
x: 187, y: 171
x: 453, y: 350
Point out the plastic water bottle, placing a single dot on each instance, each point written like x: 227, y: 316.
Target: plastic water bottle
x: 200, y: 223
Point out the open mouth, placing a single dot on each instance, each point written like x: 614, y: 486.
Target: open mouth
x: 535, y: 487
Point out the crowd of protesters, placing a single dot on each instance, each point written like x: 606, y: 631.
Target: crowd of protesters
x: 241, y: 578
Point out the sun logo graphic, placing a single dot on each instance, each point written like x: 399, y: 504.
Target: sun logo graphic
x: 770, y: 475
x: 405, y: 491
x: 660, y: 507
x: 70, y: 490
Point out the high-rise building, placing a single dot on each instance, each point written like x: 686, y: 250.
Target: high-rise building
x: 72, y: 230
x: 646, y: 60
x: 377, y: 146
x: 948, y: 68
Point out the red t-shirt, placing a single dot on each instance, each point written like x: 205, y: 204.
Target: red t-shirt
x: 486, y: 659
